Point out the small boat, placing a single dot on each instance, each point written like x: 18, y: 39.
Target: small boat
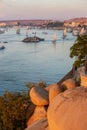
x: 2, y: 31
x: 45, y: 32
x: 82, y: 32
x: 2, y: 47
x: 69, y: 30
x: 5, y: 42
x: 54, y: 37
x: 18, y: 30
x: 34, y: 33
x: 75, y: 32
x: 27, y: 31
x: 64, y: 33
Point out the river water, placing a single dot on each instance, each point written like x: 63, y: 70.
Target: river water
x: 33, y: 62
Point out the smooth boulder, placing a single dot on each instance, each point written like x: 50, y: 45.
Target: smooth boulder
x: 68, y: 110
x: 39, y: 125
x: 83, y: 80
x: 39, y: 113
x: 39, y: 96
x: 55, y: 85
x: 69, y: 84
x: 53, y: 92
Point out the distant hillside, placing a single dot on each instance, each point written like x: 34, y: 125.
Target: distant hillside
x: 43, y: 23
x: 82, y: 19
x: 24, y: 22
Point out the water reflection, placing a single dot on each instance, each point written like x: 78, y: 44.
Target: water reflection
x: 54, y: 44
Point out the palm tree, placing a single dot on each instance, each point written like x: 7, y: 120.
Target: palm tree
x: 79, y: 50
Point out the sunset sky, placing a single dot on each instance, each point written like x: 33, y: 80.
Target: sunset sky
x: 42, y: 9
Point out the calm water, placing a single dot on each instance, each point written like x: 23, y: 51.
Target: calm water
x: 23, y: 62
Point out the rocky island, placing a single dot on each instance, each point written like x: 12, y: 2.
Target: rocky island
x: 33, y: 39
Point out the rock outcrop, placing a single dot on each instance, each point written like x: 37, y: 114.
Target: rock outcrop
x: 68, y: 110
x: 53, y: 92
x: 68, y: 84
x: 39, y: 113
x: 84, y: 80
x: 59, y: 108
x: 33, y: 39
x: 39, y: 125
x: 39, y: 96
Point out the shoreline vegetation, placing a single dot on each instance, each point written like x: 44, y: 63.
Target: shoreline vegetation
x: 16, y: 108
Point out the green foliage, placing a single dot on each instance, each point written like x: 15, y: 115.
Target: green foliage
x: 16, y: 108
x: 79, y: 50
x: 40, y: 84
x: 13, y: 108
x: 55, y: 24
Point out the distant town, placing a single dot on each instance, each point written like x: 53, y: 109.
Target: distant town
x: 46, y: 23
x: 54, y: 24
x: 38, y: 23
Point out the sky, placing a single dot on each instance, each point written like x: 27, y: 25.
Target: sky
x: 42, y: 9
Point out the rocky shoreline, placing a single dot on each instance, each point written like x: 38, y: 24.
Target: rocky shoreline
x: 59, y: 107
x: 33, y: 39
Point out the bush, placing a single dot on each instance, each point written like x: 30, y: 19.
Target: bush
x: 40, y: 84
x: 16, y: 108
x: 79, y: 50
x: 13, y: 111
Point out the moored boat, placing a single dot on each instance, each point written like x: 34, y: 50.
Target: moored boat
x: 54, y: 37
x: 18, y: 30
x: 64, y: 33
x: 2, y: 31
x: 2, y: 47
x: 82, y: 32
x: 75, y: 32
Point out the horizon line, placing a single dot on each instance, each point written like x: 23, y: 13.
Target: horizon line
x: 8, y: 20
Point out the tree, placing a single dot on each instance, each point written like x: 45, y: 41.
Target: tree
x: 79, y: 50
x: 55, y: 24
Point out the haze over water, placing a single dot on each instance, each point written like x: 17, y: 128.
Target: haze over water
x: 23, y: 62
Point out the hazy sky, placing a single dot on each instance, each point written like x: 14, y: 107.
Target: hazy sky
x: 42, y: 9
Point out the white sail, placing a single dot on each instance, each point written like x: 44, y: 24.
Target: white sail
x: 75, y: 32
x: 54, y: 37
x: 2, y: 31
x: 27, y: 31
x: 64, y: 32
x: 82, y: 32
x: 18, y: 30
x: 69, y: 30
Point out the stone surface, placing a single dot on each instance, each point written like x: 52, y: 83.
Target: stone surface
x: 39, y: 125
x: 39, y: 96
x: 33, y: 39
x: 39, y: 113
x: 53, y: 92
x: 51, y: 86
x: 69, y: 84
x: 83, y: 80
x: 68, y: 110
x: 30, y: 110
